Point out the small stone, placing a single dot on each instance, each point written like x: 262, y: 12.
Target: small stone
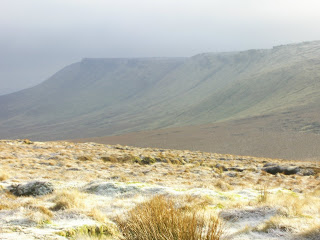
x: 236, y: 169
x: 231, y: 174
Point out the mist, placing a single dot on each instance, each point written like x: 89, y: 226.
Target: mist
x: 39, y: 37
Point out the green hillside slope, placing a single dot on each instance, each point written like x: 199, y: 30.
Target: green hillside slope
x: 98, y: 97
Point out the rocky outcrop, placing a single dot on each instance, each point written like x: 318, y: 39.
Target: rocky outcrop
x: 35, y: 188
x: 287, y: 170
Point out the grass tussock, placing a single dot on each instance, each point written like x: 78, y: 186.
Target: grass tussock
x: 85, y: 158
x: 69, y: 198
x: 3, y: 176
x: 97, y: 215
x: 158, y: 218
x: 275, y: 223
x: 8, y: 201
x: 263, y: 195
x: 291, y: 204
x: 222, y: 185
x: 190, y: 202
x: 39, y: 215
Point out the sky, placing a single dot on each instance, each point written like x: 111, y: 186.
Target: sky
x: 39, y: 37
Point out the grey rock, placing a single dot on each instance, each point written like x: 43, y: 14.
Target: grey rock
x: 73, y: 169
x: 231, y: 174
x: 307, y: 172
x: 35, y: 188
x: 111, y: 189
x: 269, y: 164
x: 291, y: 170
x: 236, y: 169
x: 272, y: 169
x: 287, y: 170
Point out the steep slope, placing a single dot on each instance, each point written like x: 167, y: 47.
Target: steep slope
x: 98, y: 97
x: 78, y: 90
x: 287, y: 77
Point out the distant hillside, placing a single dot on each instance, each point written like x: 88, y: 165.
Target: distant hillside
x: 4, y: 91
x: 98, y: 97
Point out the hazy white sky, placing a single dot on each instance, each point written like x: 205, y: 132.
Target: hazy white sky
x: 39, y: 37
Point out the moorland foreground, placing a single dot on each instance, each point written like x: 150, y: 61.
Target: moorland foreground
x: 59, y: 190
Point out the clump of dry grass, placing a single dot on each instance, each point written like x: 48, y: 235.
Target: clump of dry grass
x: 275, y: 223
x: 69, y: 198
x: 263, y: 195
x: 158, y: 218
x: 27, y: 141
x: 3, y: 176
x: 8, y: 201
x: 97, y: 215
x: 222, y: 185
x: 39, y: 214
x: 190, y: 202
x: 128, y: 158
x: 291, y: 204
x: 85, y: 158
x: 111, y: 158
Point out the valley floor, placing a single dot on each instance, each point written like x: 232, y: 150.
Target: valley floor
x: 90, y: 185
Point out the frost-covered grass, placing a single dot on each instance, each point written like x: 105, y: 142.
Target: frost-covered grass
x: 92, y: 194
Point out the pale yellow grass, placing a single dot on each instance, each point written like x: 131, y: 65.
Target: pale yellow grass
x: 9, y: 201
x: 4, y: 175
x: 69, y: 199
x: 61, y: 163
x: 159, y: 218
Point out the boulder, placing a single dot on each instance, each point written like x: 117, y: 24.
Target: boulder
x: 35, y: 188
x: 269, y: 164
x: 272, y: 169
x: 111, y: 189
x: 291, y: 170
x: 307, y: 172
x: 236, y: 169
x: 287, y: 170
